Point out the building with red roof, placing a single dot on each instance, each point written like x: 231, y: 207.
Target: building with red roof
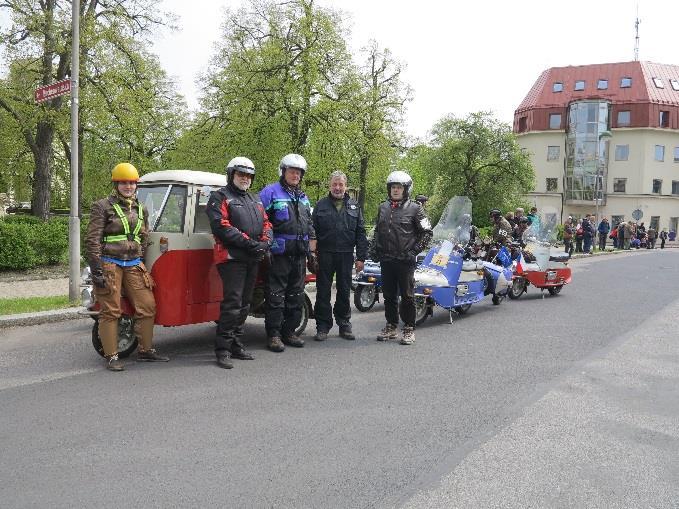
x: 605, y: 138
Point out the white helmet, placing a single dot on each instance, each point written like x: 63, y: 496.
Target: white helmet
x: 292, y: 161
x: 400, y: 177
x: 242, y: 164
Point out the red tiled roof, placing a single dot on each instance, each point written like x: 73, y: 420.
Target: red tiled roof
x: 643, y: 90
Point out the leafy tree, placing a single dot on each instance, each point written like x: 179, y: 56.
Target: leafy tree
x: 38, y: 47
x: 476, y: 156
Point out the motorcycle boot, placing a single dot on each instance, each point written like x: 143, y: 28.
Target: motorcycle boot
x: 408, y: 336
x: 293, y: 340
x: 224, y: 360
x: 238, y: 352
x: 150, y: 355
x: 115, y: 364
x: 346, y: 333
x: 388, y: 332
x: 275, y: 344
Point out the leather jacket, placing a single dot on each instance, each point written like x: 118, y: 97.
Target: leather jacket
x: 402, y: 230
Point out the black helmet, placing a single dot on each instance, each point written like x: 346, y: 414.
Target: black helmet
x: 495, y: 213
x: 422, y: 198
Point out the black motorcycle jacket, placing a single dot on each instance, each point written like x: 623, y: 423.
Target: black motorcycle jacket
x: 340, y: 231
x: 238, y: 223
x: 402, y: 230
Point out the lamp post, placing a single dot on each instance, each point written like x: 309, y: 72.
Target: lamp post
x: 603, y: 137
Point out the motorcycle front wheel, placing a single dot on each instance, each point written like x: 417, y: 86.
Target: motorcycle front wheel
x: 517, y: 289
x: 365, y: 297
x: 127, y: 341
x: 421, y: 310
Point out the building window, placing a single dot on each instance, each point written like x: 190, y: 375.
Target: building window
x: 616, y: 220
x: 655, y: 222
x: 657, y: 186
x: 602, y: 84
x: 625, y: 82
x: 675, y: 187
x: 522, y: 124
x: 552, y: 184
x: 621, y: 152
x: 579, y: 85
x: 557, y: 87
x: 623, y: 118
x: 675, y: 84
x: 619, y: 185
x: 658, y: 83
x: 555, y: 121
x: 664, y: 119
x: 660, y: 153
x: 553, y: 152
x: 676, y: 154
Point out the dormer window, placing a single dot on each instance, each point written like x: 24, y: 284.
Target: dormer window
x: 579, y: 85
x: 602, y: 85
x: 625, y: 82
x: 675, y: 84
x: 658, y: 83
x: 557, y: 87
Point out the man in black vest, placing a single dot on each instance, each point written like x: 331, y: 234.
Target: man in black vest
x: 242, y: 238
x: 339, y: 227
x: 402, y: 231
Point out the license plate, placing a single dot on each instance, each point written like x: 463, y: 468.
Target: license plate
x: 551, y: 275
x: 462, y: 289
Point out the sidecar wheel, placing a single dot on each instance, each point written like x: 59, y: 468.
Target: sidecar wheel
x: 127, y: 341
x: 518, y: 288
x: 421, y: 310
x: 306, y: 313
x: 461, y: 310
x: 554, y: 290
x: 365, y: 297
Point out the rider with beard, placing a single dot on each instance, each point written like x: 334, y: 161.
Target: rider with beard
x: 242, y: 238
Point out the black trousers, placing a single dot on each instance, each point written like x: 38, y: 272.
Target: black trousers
x: 238, y: 282
x: 284, y: 295
x: 329, y: 265
x: 398, y: 278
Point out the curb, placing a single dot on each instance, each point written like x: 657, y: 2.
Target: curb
x: 41, y: 317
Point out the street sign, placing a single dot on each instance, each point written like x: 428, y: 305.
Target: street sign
x: 637, y: 214
x: 52, y: 90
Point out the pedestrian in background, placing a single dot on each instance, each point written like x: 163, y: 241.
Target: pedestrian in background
x: 338, y: 222
x: 663, y: 238
x: 603, y: 229
x: 652, y: 235
x: 587, y: 234
x: 568, y: 230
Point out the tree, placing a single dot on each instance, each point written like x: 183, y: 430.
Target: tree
x: 38, y: 46
x: 478, y: 157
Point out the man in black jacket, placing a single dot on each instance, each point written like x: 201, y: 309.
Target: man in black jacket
x: 402, y: 230
x: 339, y: 227
x: 242, y: 238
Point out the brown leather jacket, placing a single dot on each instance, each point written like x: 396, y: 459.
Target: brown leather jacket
x: 104, y: 221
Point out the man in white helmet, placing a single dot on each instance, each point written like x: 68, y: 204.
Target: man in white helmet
x: 243, y: 237
x: 402, y: 230
x: 294, y: 241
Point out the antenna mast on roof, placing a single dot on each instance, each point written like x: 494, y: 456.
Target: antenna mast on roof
x: 636, y: 37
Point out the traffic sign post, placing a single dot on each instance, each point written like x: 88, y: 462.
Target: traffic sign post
x: 52, y: 90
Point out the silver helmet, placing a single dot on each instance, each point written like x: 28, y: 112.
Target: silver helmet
x: 400, y: 177
x: 242, y: 164
x: 292, y: 161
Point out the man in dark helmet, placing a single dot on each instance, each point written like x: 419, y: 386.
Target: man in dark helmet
x: 502, y: 230
x: 242, y: 238
x: 402, y: 230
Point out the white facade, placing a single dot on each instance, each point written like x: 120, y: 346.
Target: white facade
x: 639, y: 170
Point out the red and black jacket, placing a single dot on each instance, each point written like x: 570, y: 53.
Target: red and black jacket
x: 238, y: 223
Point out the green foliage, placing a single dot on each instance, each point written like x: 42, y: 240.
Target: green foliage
x: 28, y: 242
x: 478, y: 157
x: 32, y: 304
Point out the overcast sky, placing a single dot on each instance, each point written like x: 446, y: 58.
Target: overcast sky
x: 460, y: 56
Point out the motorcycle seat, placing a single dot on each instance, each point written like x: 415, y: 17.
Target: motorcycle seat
x: 472, y: 265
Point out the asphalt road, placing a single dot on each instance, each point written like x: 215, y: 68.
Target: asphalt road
x: 567, y: 401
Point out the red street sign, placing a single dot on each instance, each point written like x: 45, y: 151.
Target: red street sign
x: 53, y: 90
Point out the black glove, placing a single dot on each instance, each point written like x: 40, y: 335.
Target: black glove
x: 98, y: 279
x: 260, y: 250
x: 312, y: 263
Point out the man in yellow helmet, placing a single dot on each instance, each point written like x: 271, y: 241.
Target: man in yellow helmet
x: 116, y: 244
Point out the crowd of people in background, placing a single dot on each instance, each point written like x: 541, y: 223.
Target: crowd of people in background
x: 579, y: 235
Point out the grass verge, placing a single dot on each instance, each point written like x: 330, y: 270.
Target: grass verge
x: 32, y: 304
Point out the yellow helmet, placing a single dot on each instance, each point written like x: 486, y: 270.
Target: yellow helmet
x: 124, y: 172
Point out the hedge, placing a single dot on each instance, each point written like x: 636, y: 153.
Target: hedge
x: 27, y: 242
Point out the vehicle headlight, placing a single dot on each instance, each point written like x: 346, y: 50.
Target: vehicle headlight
x: 86, y: 297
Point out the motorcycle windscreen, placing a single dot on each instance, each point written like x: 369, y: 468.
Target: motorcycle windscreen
x: 455, y: 222
x: 541, y: 235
